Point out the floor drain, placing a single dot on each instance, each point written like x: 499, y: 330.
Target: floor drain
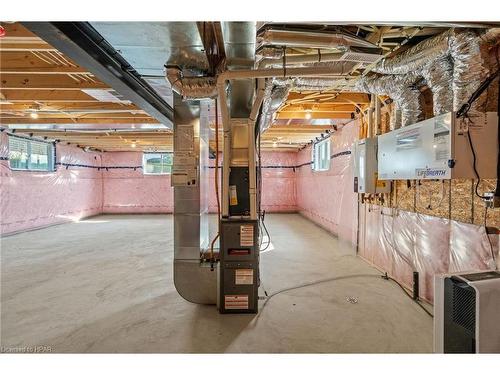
x: 352, y: 300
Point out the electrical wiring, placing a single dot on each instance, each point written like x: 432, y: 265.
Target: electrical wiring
x: 474, y: 162
x: 492, y: 251
x: 260, y: 214
x: 463, y: 113
x: 408, y: 294
x: 345, y: 277
x: 216, y: 172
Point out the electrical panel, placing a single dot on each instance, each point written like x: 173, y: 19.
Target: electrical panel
x: 238, y: 269
x: 438, y: 148
x: 365, y: 168
x: 466, y: 310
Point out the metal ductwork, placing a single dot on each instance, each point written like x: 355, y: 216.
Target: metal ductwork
x: 310, y: 39
x: 450, y: 62
x: 469, y: 68
x: 438, y: 76
x: 274, y: 97
x: 275, y: 56
x: 402, y: 89
x: 193, y: 279
x: 191, y: 87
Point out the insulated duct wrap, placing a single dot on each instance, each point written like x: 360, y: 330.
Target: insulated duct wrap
x: 311, y: 39
x: 274, y: 97
x: 416, y: 57
x: 402, y: 89
x: 438, y: 75
x: 311, y: 83
x: 191, y: 87
x: 469, y: 68
x: 451, y: 63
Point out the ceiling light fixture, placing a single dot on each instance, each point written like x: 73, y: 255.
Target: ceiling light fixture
x: 34, y: 115
x: 308, y: 114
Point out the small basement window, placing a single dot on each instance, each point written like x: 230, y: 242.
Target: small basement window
x: 321, y: 156
x: 157, y: 163
x: 30, y: 155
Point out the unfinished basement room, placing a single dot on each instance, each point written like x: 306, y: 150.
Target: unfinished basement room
x: 249, y: 187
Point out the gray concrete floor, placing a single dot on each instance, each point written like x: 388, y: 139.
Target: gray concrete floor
x: 105, y: 285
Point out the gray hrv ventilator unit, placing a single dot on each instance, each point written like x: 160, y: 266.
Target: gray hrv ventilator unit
x: 466, y: 311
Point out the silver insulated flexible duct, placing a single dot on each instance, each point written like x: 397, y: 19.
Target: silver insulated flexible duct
x: 400, y: 88
x: 451, y: 63
x: 191, y: 87
x: 274, y: 97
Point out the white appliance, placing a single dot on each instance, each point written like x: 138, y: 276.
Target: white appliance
x: 438, y: 148
x: 467, y: 312
x: 365, y: 168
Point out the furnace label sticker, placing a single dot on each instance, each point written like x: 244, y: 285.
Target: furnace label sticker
x: 409, y: 140
x: 233, y: 195
x: 441, y: 145
x: 243, y: 276
x: 184, y: 138
x: 246, y: 235
x: 236, y: 302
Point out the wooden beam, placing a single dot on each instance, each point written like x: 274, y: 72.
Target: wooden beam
x: 47, y: 95
x: 47, y: 81
x: 313, y: 115
x: 15, y: 46
x: 321, y: 107
x: 66, y: 106
x: 90, y: 120
x: 35, y: 61
x: 16, y: 30
x: 342, y: 98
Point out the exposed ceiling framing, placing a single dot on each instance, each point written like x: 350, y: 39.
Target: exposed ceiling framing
x: 41, y: 86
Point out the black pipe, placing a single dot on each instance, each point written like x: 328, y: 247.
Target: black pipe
x: 497, y: 191
x: 416, y: 293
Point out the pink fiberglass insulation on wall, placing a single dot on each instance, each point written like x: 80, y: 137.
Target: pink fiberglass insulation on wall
x: 32, y: 199
x: 131, y: 191
x: 397, y: 243
x: 400, y: 242
x: 278, y: 181
x: 327, y: 197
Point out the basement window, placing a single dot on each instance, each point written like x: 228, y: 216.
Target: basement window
x: 157, y: 162
x: 321, y: 156
x: 30, y: 155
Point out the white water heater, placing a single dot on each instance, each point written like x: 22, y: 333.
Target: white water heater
x: 438, y: 148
